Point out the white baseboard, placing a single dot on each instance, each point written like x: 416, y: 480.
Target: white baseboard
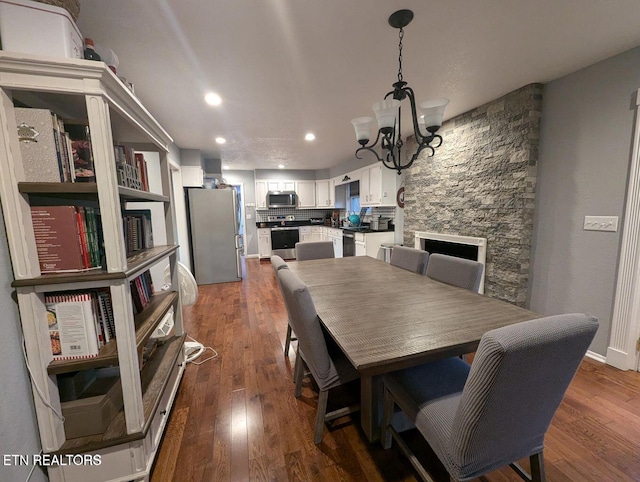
x: 249, y: 256
x: 596, y: 356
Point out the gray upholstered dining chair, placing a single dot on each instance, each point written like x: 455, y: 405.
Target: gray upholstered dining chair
x: 411, y: 259
x: 278, y: 263
x: 496, y: 412
x: 464, y: 273
x: 307, y: 250
x: 328, y: 366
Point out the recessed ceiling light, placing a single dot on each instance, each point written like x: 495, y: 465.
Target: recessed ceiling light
x: 281, y: 166
x: 213, y: 99
x: 225, y: 167
x: 220, y: 140
x: 310, y: 136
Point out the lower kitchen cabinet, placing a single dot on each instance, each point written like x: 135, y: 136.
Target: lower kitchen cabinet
x: 264, y: 243
x: 368, y: 244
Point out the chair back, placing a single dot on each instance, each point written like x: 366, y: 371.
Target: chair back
x: 517, y: 380
x: 411, y: 259
x: 306, y: 325
x: 277, y: 263
x: 461, y: 272
x: 307, y: 250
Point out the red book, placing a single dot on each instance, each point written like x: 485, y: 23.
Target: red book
x: 84, y: 241
x: 57, y: 237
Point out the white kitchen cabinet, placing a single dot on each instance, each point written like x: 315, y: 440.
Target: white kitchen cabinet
x: 361, y: 247
x: 264, y: 243
x: 261, y: 194
x: 377, y: 186
x: 281, y: 185
x: 373, y: 241
x: 316, y: 233
x: 335, y: 235
x: 306, y: 194
x: 325, y: 193
x: 305, y: 233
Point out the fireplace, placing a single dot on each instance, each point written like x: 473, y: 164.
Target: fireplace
x: 461, y: 246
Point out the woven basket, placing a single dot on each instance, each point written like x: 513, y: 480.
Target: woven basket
x: 71, y: 6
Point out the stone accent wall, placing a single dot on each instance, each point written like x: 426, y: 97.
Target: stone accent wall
x: 481, y: 182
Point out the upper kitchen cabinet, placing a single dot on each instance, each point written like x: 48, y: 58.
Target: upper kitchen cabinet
x: 306, y: 191
x: 377, y: 186
x: 281, y: 185
x: 261, y: 194
x: 325, y: 193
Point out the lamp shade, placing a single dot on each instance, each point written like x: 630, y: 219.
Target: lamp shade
x: 362, y: 125
x: 433, y: 111
x: 385, y: 112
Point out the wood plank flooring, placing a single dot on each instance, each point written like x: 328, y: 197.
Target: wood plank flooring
x: 235, y: 417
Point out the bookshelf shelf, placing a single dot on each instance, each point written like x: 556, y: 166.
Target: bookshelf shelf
x: 145, y: 323
x: 85, y: 190
x: 156, y: 376
x: 135, y: 264
x: 89, y: 119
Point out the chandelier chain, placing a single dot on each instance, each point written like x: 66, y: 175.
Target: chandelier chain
x: 401, y: 34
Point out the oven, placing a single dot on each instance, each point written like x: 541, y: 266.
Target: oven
x: 283, y: 241
x: 348, y: 244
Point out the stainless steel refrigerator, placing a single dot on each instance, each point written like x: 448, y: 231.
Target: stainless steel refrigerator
x: 216, y: 244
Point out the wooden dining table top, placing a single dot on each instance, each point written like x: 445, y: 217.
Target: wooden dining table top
x: 385, y: 318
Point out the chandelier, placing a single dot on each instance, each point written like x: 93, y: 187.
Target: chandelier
x: 389, y: 113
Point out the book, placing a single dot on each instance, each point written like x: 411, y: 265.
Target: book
x: 57, y: 237
x: 81, y: 152
x: 71, y: 326
x: 38, y: 145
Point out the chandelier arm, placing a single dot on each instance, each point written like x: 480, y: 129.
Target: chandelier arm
x: 414, y: 116
x: 370, y: 150
x: 390, y: 164
x: 438, y: 138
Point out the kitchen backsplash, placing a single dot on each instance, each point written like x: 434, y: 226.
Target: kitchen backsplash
x: 306, y: 214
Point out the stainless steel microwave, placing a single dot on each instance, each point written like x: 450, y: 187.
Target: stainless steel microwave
x: 282, y: 199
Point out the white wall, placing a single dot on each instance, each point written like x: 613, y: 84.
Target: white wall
x: 585, y: 149
x: 18, y: 429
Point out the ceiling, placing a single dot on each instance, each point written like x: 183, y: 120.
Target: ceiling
x: 285, y: 68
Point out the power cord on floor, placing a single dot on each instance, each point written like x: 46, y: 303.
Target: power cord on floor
x: 33, y: 467
x: 35, y: 384
x: 198, y: 349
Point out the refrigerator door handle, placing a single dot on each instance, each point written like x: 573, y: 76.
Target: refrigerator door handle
x: 239, y: 263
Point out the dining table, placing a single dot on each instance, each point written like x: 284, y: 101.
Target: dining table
x: 385, y: 318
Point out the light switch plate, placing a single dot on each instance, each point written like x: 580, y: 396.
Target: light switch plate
x: 601, y: 223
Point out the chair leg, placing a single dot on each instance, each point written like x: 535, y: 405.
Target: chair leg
x: 323, y: 396
x: 287, y: 342
x: 537, y: 467
x: 298, y: 374
x: 387, y: 415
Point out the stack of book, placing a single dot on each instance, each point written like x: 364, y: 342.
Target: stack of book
x: 51, y: 150
x: 138, y: 234
x: 79, y: 323
x: 68, y: 238
x: 141, y: 291
x: 131, y: 168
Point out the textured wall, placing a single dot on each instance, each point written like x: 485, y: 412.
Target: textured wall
x: 481, y: 182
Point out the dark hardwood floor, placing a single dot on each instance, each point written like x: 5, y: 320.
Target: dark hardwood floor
x: 235, y: 417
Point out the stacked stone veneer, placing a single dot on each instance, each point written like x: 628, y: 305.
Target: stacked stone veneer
x: 481, y: 182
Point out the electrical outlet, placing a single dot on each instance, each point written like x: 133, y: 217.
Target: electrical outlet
x: 601, y: 223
